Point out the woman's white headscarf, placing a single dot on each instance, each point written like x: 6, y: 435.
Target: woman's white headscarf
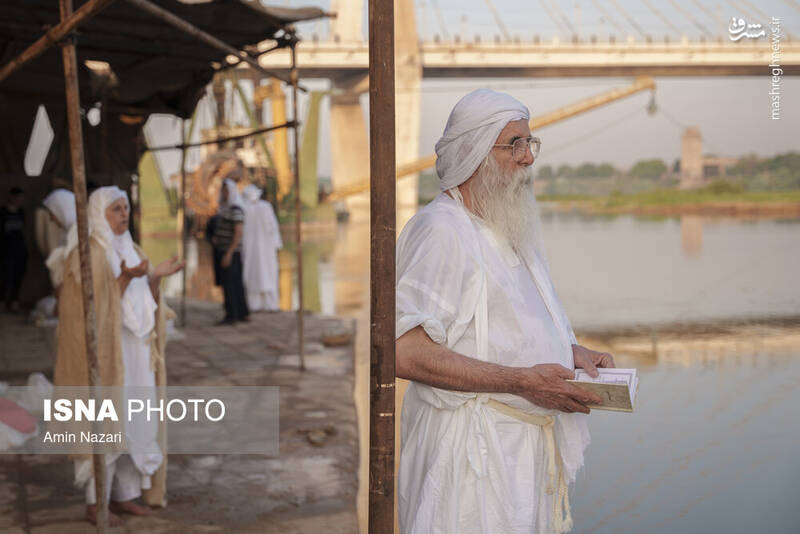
x: 138, y: 305
x: 61, y: 203
x: 472, y: 128
x: 234, y: 198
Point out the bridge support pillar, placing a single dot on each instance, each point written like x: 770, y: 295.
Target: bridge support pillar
x: 408, y: 79
x: 350, y: 145
x: 349, y: 142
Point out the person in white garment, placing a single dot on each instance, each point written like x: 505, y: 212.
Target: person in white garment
x: 260, y: 244
x: 130, y: 314
x: 492, y: 432
x: 60, y: 206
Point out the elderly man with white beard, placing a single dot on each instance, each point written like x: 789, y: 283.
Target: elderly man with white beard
x: 492, y: 431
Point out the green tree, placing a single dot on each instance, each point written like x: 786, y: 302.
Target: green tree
x: 648, y: 169
x: 604, y: 170
x: 586, y: 170
x: 545, y: 171
x: 565, y: 170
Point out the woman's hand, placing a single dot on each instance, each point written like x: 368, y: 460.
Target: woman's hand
x: 589, y: 360
x: 134, y: 272
x: 127, y: 274
x: 168, y: 267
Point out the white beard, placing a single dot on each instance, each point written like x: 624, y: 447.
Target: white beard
x: 507, y: 204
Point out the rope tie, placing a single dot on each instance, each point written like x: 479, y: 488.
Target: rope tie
x: 556, y: 482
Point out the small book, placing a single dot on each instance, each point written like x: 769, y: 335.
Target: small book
x: 617, y: 387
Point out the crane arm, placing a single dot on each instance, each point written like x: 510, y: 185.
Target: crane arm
x: 641, y: 83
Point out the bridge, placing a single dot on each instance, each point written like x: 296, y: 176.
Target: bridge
x: 743, y: 44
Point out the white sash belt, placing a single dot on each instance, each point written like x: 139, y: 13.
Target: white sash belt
x: 561, y: 522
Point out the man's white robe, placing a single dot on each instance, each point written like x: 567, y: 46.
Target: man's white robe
x: 465, y: 467
x: 260, y: 243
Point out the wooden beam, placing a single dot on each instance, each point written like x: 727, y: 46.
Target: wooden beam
x: 382, y: 266
x: 55, y: 34
x: 87, y: 287
x: 190, y: 29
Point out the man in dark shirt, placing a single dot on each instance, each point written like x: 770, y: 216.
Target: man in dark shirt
x: 13, y: 250
x: 228, y: 239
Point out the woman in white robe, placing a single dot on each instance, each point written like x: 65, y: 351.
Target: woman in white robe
x: 260, y: 244
x: 127, y: 474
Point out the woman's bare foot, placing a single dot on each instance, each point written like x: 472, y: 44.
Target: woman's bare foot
x: 91, y: 516
x: 129, y: 507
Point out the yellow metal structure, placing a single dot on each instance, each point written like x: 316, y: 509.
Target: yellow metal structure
x: 280, y: 138
x: 641, y: 83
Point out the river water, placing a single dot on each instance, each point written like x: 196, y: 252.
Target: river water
x: 712, y: 445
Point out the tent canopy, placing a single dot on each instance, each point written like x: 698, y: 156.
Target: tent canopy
x: 130, y: 61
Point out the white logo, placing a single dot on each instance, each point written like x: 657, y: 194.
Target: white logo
x: 738, y: 28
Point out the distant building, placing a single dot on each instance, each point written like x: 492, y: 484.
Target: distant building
x: 696, y: 169
x: 691, y: 159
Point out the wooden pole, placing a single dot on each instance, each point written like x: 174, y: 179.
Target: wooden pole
x: 54, y: 35
x: 182, y: 220
x: 297, y: 207
x: 79, y: 188
x: 188, y: 28
x: 382, y: 265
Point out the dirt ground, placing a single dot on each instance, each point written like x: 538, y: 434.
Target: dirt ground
x: 309, y: 487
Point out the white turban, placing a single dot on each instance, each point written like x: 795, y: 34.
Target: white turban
x: 252, y: 193
x: 472, y: 128
x: 61, y: 203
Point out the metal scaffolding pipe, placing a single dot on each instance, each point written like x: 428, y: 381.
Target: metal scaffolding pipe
x: 382, y: 265
x: 259, y: 131
x: 297, y: 210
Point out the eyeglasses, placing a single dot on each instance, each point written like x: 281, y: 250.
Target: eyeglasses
x: 521, y: 145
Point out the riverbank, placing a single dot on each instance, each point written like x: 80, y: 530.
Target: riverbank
x: 691, y: 343
x: 310, y: 486
x: 759, y: 204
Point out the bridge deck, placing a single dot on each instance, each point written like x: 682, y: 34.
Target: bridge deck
x: 553, y: 59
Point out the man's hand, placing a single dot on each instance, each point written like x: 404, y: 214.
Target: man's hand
x: 546, y: 385
x: 226, y: 261
x: 134, y: 272
x: 589, y: 360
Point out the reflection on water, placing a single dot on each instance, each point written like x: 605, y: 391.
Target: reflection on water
x: 711, y: 445
x: 626, y: 270
x: 692, y: 235
x: 608, y: 271
x: 710, y: 448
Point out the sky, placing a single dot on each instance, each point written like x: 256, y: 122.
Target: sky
x: 733, y: 113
